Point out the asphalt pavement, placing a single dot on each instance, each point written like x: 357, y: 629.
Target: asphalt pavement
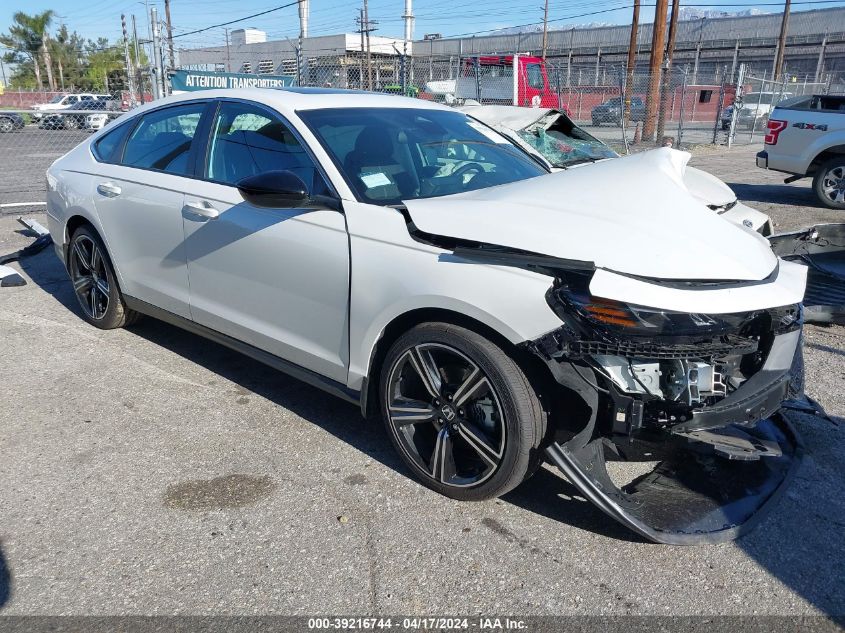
x: 148, y: 471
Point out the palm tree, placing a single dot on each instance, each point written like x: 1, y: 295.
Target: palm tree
x: 29, y: 36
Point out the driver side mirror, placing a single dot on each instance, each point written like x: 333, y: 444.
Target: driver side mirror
x: 274, y: 189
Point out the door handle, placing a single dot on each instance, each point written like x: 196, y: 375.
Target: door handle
x: 202, y: 209
x: 109, y: 190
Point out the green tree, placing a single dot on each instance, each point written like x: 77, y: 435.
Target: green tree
x: 28, y: 39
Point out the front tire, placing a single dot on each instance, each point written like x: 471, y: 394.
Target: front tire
x: 94, y: 282
x: 460, y: 412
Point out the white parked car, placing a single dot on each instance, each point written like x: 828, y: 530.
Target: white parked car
x: 60, y: 102
x: 554, y: 136
x: 416, y: 262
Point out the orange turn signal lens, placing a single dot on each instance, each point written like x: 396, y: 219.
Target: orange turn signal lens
x: 610, y: 313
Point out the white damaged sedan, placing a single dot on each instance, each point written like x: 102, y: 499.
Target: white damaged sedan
x: 416, y: 262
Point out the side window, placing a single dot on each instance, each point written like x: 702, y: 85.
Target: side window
x: 107, y: 147
x: 535, y: 76
x: 247, y: 140
x: 162, y: 140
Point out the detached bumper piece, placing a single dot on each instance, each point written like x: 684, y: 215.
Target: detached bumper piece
x: 822, y: 249
x: 714, y: 488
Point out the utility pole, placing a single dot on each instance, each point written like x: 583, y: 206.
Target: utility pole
x: 546, y: 29
x: 129, y: 70
x: 784, y: 26
x: 820, y: 62
x: 171, y: 56
x: 158, y: 82
x: 361, y: 56
x: 667, y: 74
x: 632, y: 59
x: 408, y: 62
x: 228, y: 55
x: 654, y: 67
x: 140, y: 76
x: 368, y: 26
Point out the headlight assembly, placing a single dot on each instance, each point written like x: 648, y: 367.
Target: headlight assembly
x: 572, y: 301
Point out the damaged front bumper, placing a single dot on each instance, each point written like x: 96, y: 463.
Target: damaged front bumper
x: 691, y: 497
x: 722, y: 464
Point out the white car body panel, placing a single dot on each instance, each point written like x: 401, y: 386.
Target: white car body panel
x: 707, y: 188
x: 392, y: 274
x: 294, y: 304
x: 785, y: 289
x: 295, y: 301
x: 145, y: 236
x: 655, y: 229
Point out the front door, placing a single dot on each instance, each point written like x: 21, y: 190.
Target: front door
x: 277, y: 279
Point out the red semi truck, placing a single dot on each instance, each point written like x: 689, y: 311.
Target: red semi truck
x: 519, y: 80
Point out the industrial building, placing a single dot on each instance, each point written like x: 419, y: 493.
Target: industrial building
x: 710, y: 48
x: 815, y: 45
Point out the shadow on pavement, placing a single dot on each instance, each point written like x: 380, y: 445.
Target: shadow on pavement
x: 800, y: 544
x: 802, y: 196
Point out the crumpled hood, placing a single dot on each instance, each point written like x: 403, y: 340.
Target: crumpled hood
x: 631, y: 215
x: 707, y: 188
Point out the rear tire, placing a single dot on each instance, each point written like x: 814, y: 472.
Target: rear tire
x: 829, y: 183
x: 460, y: 412
x: 94, y: 282
x: 6, y: 125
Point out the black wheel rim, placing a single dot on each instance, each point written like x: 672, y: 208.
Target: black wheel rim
x: 446, y: 415
x: 89, y: 276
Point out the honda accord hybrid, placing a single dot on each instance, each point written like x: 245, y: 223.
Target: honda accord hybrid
x: 415, y: 262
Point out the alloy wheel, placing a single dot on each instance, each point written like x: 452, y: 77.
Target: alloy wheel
x: 6, y: 125
x: 446, y: 415
x: 89, y: 276
x: 833, y: 184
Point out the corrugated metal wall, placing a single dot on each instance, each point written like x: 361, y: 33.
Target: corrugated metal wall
x: 801, y: 23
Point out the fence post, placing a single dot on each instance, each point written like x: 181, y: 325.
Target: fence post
x: 719, y: 107
x: 477, y: 66
x: 622, y: 91
x: 757, y: 111
x: 681, y: 113
x: 737, y: 104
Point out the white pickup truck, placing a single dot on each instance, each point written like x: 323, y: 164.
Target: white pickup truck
x: 805, y: 136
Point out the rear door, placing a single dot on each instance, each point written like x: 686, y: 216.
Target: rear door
x: 139, y: 199
x: 277, y: 279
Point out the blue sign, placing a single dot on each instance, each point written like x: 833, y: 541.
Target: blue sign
x: 190, y: 80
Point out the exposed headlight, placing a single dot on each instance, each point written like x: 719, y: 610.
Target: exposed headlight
x: 572, y: 301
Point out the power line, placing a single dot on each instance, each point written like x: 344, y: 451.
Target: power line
x: 248, y: 17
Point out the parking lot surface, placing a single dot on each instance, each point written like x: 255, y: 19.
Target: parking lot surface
x: 148, y: 471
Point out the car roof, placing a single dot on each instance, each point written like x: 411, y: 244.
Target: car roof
x: 293, y: 99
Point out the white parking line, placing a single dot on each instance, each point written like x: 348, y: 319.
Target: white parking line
x: 9, y: 205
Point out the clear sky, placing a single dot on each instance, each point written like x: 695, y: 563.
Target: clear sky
x: 96, y: 18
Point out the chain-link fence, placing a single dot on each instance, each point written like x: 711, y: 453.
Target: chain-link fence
x: 38, y: 127
x: 626, y: 110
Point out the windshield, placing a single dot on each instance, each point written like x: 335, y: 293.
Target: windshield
x: 388, y: 155
x: 563, y: 144
x: 57, y: 98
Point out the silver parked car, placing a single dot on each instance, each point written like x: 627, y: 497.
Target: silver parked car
x: 412, y: 260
